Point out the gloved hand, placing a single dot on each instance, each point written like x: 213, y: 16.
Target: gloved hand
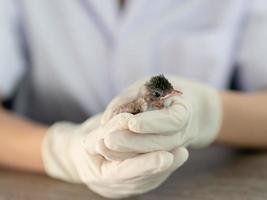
x: 193, y: 118
x: 70, y: 153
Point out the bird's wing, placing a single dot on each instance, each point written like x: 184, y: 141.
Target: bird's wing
x: 136, y: 106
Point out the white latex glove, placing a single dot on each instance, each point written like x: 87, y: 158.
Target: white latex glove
x: 66, y: 156
x: 193, y: 118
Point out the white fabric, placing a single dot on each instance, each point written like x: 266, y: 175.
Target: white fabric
x: 67, y: 157
x: 84, y: 52
x: 193, y: 118
x: 252, y: 57
x: 12, y: 63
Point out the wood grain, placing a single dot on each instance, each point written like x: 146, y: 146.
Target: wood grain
x: 215, y: 173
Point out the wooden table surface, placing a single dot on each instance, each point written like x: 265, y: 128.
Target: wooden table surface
x: 212, y: 174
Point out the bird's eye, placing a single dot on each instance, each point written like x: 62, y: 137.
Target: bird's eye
x: 156, y: 94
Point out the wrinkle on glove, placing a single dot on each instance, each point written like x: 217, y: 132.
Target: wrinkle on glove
x: 95, y: 143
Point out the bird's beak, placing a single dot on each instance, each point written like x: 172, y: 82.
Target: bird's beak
x: 171, y: 94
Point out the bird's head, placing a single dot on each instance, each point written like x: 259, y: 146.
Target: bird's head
x: 159, y: 88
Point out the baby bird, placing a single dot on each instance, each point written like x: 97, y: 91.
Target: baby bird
x: 151, y: 97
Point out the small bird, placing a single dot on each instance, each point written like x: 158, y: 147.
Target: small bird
x: 151, y: 96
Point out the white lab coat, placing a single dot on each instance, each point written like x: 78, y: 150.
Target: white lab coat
x: 68, y: 59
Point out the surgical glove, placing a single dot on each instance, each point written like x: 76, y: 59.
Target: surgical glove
x: 191, y: 119
x: 66, y: 157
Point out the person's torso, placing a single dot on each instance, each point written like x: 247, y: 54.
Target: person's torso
x: 85, y: 52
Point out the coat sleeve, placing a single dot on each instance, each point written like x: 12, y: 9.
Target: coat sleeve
x: 12, y: 62
x: 252, y: 57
